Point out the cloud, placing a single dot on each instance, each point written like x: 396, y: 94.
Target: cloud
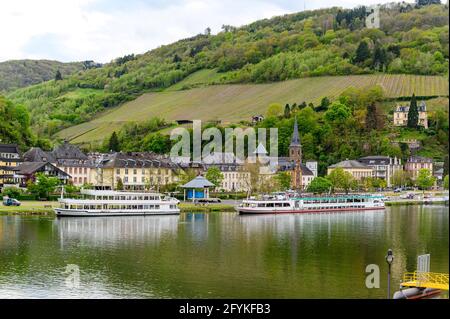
x: 100, y: 30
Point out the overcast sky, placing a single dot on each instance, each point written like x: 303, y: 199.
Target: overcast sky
x: 100, y: 30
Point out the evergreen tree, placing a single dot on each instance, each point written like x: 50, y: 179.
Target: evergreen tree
x: 413, y: 114
x: 371, y: 117
x: 287, y: 111
x: 113, y: 144
x: 58, y: 76
x: 362, y: 52
x: 379, y: 58
x: 119, y: 186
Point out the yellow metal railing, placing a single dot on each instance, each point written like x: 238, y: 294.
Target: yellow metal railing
x: 425, y: 280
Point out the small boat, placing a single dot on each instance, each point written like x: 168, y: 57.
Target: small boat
x: 115, y: 203
x: 313, y: 204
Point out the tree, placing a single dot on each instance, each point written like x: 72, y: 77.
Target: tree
x: 119, y: 185
x: 43, y: 186
x: 208, y: 31
x: 341, y: 179
x: 11, y: 192
x: 371, y: 117
x: 362, y: 52
x: 284, y: 180
x: 214, y: 175
x: 338, y: 113
x: 320, y: 185
x: 324, y: 104
x: 274, y: 109
x: 413, y: 113
x: 425, y: 180
x: 445, y: 183
x: 58, y: 76
x: 399, y: 178
x: 379, y: 58
x: 287, y: 111
x: 113, y: 144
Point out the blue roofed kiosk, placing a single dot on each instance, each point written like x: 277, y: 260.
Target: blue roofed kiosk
x: 197, y: 188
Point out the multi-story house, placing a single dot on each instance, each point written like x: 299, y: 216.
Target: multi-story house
x: 67, y: 157
x: 27, y: 171
x: 383, y: 167
x: 415, y: 163
x: 9, y: 160
x: 235, y: 177
x: 136, y: 171
x: 401, y: 115
x: 358, y: 170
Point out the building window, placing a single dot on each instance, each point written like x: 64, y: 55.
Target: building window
x: 118, y: 171
x: 126, y: 170
x: 134, y: 171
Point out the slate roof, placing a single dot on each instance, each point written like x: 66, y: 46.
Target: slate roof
x: 68, y: 151
x: 135, y: 160
x: 349, y: 164
x: 198, y: 182
x: 29, y: 168
x: 9, y: 148
x: 295, y: 140
x: 36, y: 154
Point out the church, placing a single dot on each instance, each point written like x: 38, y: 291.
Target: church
x: 302, y: 173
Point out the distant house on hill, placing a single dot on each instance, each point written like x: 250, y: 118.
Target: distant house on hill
x: 257, y: 118
x: 401, y: 115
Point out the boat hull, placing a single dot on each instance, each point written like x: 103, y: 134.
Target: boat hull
x: 249, y: 211
x: 85, y: 213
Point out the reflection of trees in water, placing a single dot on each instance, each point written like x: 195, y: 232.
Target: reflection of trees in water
x: 116, y: 230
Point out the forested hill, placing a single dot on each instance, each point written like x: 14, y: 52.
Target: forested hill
x: 21, y: 73
x: 411, y: 40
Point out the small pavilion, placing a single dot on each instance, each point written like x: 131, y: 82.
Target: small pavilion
x: 197, y: 188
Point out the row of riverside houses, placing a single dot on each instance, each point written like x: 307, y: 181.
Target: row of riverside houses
x: 384, y: 167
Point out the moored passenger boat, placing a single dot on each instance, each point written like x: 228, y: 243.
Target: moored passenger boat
x: 275, y: 205
x: 114, y: 203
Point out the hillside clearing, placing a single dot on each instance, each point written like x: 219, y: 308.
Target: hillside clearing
x: 233, y: 103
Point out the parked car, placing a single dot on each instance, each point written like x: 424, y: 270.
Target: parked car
x: 11, y: 202
x: 398, y: 190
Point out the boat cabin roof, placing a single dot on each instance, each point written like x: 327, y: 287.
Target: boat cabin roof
x: 93, y: 192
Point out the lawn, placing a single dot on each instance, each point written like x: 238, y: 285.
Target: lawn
x: 30, y: 207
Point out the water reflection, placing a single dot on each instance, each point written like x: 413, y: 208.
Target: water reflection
x: 219, y: 254
x: 98, y: 231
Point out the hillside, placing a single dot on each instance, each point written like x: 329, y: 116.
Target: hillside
x: 327, y: 42
x: 233, y: 103
x: 21, y: 73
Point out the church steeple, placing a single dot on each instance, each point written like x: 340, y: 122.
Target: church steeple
x: 295, y: 148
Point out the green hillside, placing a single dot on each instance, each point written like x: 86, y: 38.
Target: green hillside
x: 21, y: 73
x: 327, y: 42
x: 233, y: 103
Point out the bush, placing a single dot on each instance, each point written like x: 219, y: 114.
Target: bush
x: 12, y: 192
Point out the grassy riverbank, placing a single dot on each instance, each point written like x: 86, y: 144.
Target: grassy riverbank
x: 192, y: 208
x: 30, y: 208
x: 46, y: 208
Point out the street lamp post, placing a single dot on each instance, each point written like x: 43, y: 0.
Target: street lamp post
x: 389, y: 260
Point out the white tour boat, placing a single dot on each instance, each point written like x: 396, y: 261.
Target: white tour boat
x: 277, y: 204
x: 115, y: 203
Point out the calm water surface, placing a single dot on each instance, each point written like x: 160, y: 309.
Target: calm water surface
x: 218, y: 255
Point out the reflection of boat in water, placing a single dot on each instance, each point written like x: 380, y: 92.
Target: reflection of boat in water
x: 282, y: 204
x: 118, y: 229
x: 112, y: 203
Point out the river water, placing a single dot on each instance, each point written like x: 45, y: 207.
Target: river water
x: 217, y: 255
